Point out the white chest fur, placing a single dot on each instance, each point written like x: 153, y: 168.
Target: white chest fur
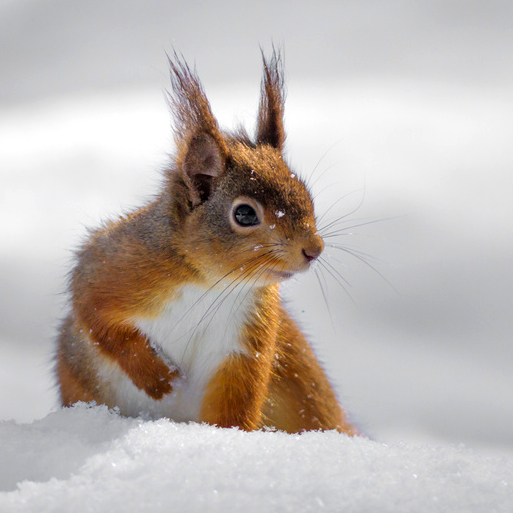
x: 195, y: 333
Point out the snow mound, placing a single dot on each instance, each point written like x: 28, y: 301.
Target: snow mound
x: 91, y: 459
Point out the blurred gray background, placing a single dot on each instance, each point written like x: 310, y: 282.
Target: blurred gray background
x: 405, y: 108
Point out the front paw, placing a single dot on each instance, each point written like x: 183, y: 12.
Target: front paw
x: 157, y: 380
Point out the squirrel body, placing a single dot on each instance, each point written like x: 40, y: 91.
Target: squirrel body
x: 175, y: 308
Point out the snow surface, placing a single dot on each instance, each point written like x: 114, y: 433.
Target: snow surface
x: 89, y: 459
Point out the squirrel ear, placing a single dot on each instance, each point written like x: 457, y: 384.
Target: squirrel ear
x: 270, y: 128
x: 204, y: 160
x: 202, y: 150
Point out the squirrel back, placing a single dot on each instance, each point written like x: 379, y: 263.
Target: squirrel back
x: 175, y: 308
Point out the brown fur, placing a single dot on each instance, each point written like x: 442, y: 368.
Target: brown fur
x: 132, y: 268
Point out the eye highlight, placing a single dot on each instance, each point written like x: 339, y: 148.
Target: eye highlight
x: 245, y: 215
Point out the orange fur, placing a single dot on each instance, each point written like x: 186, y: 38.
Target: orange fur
x: 132, y: 273
x: 300, y: 395
x: 236, y: 394
x: 71, y: 389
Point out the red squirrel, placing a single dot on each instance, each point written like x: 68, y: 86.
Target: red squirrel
x: 175, y: 307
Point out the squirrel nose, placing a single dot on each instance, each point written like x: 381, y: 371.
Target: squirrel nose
x: 313, y: 251
x: 310, y: 254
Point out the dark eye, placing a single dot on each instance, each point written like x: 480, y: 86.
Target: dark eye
x: 245, y: 215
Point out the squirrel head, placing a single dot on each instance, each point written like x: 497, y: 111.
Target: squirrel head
x: 241, y: 213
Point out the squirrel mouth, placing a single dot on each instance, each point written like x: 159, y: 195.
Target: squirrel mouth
x: 284, y: 275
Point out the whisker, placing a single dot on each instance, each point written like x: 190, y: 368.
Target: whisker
x: 324, y: 295
x: 225, y: 293
x: 325, y: 188
x: 247, y: 271
x: 319, y: 163
x: 257, y: 273
x: 319, y: 177
x: 324, y: 265
x: 328, y: 265
x: 339, y: 219
x: 369, y: 265
x: 254, y: 272
x: 345, y: 215
x: 355, y: 251
x: 210, y: 312
x: 209, y: 289
x: 340, y: 232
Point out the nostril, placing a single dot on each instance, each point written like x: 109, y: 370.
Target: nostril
x: 311, y: 254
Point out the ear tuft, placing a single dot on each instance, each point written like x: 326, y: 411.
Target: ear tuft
x: 189, y: 105
x: 270, y: 129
